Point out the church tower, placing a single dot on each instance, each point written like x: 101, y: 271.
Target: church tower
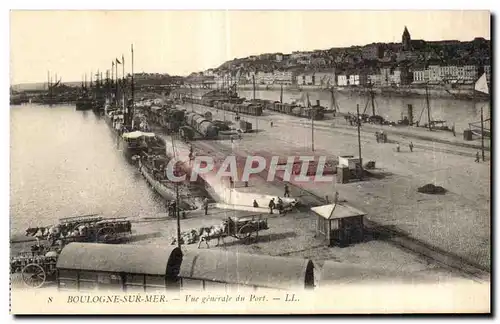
x: 406, y: 42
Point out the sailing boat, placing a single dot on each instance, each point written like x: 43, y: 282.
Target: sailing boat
x: 135, y: 142
x: 334, y: 105
x: 83, y: 102
x: 478, y: 128
x: 374, y: 118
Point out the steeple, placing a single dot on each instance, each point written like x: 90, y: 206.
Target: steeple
x: 406, y: 40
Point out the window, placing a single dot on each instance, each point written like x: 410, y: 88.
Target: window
x: 155, y: 283
x: 134, y: 282
x: 68, y: 284
x: 109, y: 281
x: 87, y: 280
x: 209, y: 285
x: 191, y: 284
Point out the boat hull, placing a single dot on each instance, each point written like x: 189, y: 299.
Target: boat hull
x: 83, y: 105
x: 167, y: 192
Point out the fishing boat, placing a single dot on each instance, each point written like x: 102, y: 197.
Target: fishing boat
x: 83, y: 103
x: 152, y: 167
x: 133, y: 144
x: 482, y: 128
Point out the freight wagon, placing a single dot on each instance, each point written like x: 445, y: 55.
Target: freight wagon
x: 160, y: 269
x: 143, y: 268
x: 200, y: 124
x: 318, y: 112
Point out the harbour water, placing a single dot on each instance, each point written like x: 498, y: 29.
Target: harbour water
x: 66, y: 163
x: 458, y: 112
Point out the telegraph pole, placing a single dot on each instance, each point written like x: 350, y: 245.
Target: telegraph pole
x: 312, y: 128
x: 428, y: 106
x: 191, y: 87
x: 359, y: 142
x: 132, y: 86
x: 178, y: 213
x: 253, y: 81
x: 482, y: 134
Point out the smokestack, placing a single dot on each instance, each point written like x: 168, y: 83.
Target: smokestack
x: 317, y: 102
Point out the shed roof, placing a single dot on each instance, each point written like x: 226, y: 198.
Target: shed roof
x: 334, y: 273
x: 339, y: 211
x: 246, y: 269
x: 138, y: 259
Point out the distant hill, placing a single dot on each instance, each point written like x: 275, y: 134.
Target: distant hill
x: 39, y: 86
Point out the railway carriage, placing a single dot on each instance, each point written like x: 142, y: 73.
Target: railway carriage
x: 142, y: 268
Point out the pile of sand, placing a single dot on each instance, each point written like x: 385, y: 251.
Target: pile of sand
x: 432, y: 189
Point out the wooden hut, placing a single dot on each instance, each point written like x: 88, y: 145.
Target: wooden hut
x: 339, y: 224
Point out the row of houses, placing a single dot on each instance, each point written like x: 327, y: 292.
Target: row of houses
x: 434, y: 74
x: 452, y: 73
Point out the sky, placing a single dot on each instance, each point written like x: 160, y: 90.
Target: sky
x: 72, y: 43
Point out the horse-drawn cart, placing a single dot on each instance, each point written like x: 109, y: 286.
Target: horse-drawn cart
x: 246, y: 226
x: 39, y: 265
x: 88, y: 228
x: 238, y: 227
x: 35, y: 267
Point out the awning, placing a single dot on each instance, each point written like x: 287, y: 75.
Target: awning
x: 339, y: 211
x: 137, y: 134
x: 138, y: 259
x: 247, y: 269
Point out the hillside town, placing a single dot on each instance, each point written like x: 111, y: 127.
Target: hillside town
x: 411, y: 62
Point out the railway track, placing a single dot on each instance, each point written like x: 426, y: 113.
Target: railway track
x: 329, y: 130
x: 430, y: 253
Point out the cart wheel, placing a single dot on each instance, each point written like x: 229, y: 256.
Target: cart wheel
x: 105, y: 234
x: 243, y: 234
x: 33, y: 275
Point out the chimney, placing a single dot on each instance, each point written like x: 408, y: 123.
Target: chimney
x: 317, y: 102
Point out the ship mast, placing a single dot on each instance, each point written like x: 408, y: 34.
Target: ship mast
x: 428, y: 106
x: 132, y: 83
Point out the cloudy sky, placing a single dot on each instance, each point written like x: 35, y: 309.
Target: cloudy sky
x: 71, y: 43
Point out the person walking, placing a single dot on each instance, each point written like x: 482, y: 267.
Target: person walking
x: 411, y: 146
x: 173, y: 208
x: 271, y: 205
x: 205, y: 205
x: 246, y: 184
x: 167, y: 207
x: 271, y: 124
x: 477, y: 157
x: 231, y: 182
x: 255, y: 204
x: 287, y: 191
x: 453, y: 130
x: 398, y: 149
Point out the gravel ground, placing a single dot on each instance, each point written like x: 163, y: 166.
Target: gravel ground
x: 458, y: 221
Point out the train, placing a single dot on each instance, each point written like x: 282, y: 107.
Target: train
x: 317, y: 112
x: 152, y: 268
x: 236, y: 105
x: 256, y: 107
x: 201, y: 124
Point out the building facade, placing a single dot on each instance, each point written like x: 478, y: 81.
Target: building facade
x: 325, y: 79
x: 487, y: 71
x: 283, y: 77
x: 342, y: 80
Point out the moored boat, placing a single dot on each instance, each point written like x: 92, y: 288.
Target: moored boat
x: 83, y: 103
x: 152, y: 167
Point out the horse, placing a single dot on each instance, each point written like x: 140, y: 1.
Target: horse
x: 216, y: 231
x: 31, y: 231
